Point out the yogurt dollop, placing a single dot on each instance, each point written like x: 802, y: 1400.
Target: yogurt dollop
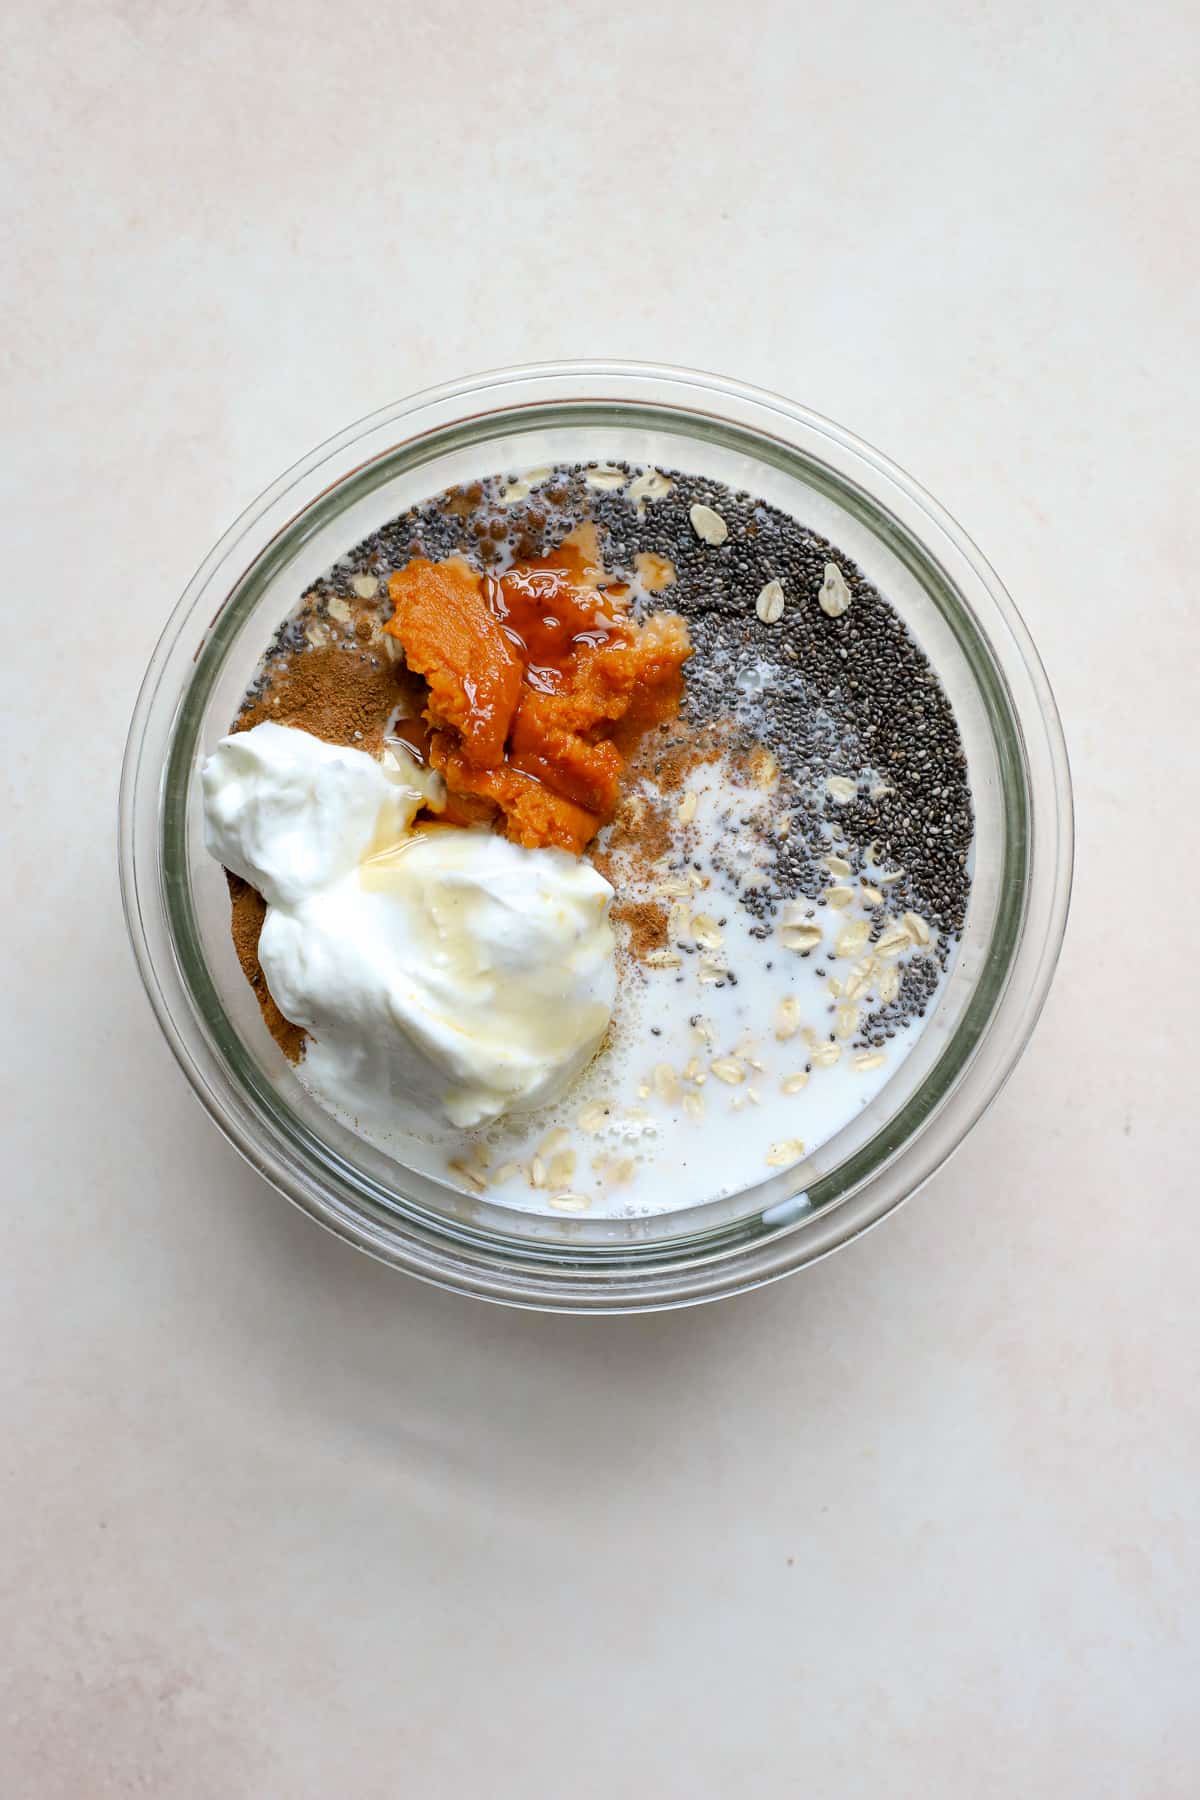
x: 441, y: 968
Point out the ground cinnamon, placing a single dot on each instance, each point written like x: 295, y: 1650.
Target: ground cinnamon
x: 645, y: 833
x: 344, y: 695
x: 248, y: 909
x: 645, y: 923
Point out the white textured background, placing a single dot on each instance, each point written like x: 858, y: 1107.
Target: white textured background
x: 275, y: 1522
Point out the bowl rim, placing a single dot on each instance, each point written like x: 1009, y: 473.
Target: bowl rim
x: 624, y: 1282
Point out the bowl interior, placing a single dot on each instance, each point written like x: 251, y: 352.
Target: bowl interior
x: 828, y: 499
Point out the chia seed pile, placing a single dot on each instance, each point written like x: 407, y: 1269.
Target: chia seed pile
x: 849, y: 696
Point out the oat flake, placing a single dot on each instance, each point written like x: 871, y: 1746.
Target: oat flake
x: 834, y: 596
x: 708, y: 525
x: 769, y: 605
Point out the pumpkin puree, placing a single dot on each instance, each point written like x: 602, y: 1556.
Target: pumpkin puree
x: 539, y: 682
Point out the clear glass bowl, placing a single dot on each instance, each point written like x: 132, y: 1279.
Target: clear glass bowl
x: 177, y: 904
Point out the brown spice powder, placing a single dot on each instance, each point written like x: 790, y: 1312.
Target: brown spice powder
x: 248, y: 909
x: 677, y: 750
x: 646, y: 830
x: 646, y: 923
x: 343, y: 695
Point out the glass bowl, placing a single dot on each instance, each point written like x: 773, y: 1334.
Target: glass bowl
x: 177, y: 905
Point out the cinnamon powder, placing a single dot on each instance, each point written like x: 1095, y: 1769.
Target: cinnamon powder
x: 645, y: 922
x: 248, y: 909
x: 343, y: 695
x: 646, y: 831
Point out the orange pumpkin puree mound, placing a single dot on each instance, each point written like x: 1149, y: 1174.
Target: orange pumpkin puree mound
x: 451, y: 638
x: 539, y: 684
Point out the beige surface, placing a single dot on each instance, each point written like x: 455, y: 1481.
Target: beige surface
x: 274, y: 1522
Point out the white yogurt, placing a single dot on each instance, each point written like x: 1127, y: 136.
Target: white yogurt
x: 438, y: 972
